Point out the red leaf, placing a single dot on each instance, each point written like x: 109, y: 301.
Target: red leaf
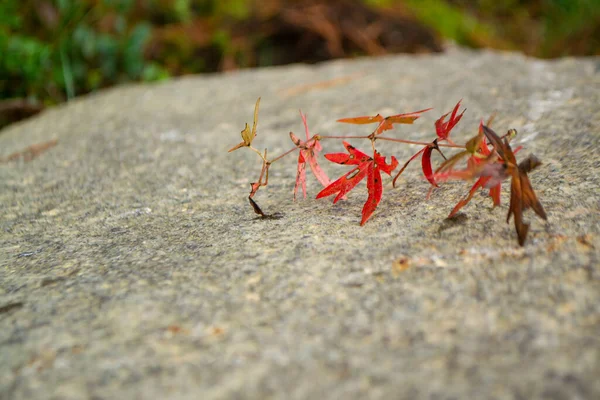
x: 309, y: 150
x: 426, y: 165
x: 367, y: 166
x: 387, y: 168
x: 483, y: 164
x: 346, y: 183
x: 300, y: 176
x: 355, y: 157
x: 442, y: 129
x: 375, y: 188
x: 463, y: 202
x: 495, y: 194
x: 311, y: 158
x: 310, y: 154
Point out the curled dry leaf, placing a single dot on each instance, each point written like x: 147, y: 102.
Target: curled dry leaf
x: 522, y: 195
x: 482, y: 163
x: 247, y: 134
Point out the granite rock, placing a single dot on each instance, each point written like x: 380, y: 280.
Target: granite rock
x: 132, y: 266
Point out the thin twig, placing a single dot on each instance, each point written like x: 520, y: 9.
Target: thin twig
x: 455, y: 146
x: 282, y: 155
x: 344, y: 137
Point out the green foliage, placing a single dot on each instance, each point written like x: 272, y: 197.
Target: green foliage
x: 24, y: 62
x: 9, y: 17
x: 238, y: 9
x: 452, y: 22
x: 73, y: 51
x: 544, y: 28
x: 571, y: 23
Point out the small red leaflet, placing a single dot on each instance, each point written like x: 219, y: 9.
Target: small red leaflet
x: 309, y: 151
x: 443, y: 128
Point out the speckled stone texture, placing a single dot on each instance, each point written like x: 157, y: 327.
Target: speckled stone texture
x: 132, y: 266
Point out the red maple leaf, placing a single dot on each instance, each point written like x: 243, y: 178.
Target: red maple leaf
x: 309, y: 150
x: 370, y: 167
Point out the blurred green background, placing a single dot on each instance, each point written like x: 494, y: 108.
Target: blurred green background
x: 53, y: 50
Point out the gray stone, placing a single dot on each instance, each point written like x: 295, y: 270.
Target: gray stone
x: 132, y: 266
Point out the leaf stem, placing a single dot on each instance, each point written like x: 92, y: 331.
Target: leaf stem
x: 282, y: 155
x: 259, y: 153
x: 455, y: 146
x: 344, y: 137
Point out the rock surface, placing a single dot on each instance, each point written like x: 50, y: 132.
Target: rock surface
x: 132, y: 266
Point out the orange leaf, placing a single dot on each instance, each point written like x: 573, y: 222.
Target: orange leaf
x: 361, y: 120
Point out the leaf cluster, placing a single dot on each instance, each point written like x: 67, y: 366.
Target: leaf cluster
x: 488, y: 159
